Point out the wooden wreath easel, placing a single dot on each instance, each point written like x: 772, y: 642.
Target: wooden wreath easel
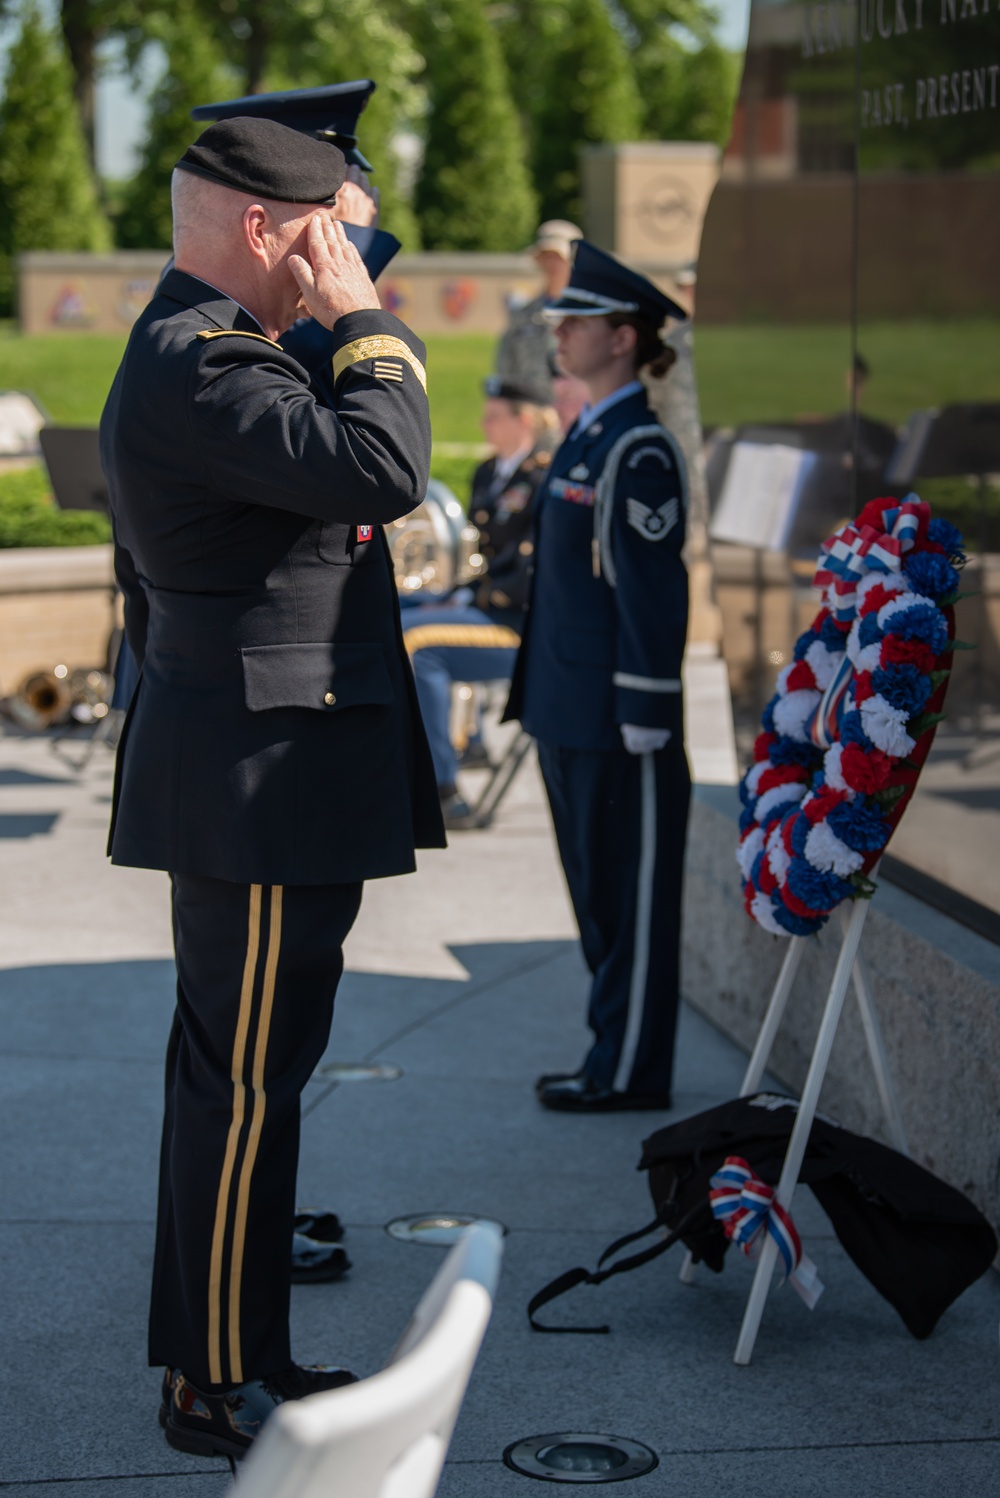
x: 849, y: 963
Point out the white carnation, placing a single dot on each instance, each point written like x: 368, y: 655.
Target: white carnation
x: 760, y: 909
x: 748, y: 849
x: 752, y: 778
x: 823, y: 663
x: 782, y: 683
x: 832, y: 771
x: 892, y: 582
x: 870, y: 658
x: 886, y: 727
x: 896, y: 605
x: 791, y: 713
x: 779, y: 795
x: 777, y: 855
x: 825, y: 851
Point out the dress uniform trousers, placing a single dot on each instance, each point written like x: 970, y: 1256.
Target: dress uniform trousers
x: 620, y: 822
x: 257, y: 970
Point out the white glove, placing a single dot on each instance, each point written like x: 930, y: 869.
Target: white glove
x: 639, y: 740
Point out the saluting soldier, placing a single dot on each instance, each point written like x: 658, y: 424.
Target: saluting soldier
x: 273, y: 758
x: 598, y: 681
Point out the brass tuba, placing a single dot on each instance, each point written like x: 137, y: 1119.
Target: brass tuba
x: 434, y: 549
x: 47, y: 699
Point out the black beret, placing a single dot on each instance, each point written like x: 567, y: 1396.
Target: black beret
x: 522, y: 391
x: 266, y: 159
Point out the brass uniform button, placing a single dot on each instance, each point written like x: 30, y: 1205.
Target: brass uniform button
x: 329, y: 699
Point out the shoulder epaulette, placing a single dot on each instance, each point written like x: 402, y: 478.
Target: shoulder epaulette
x: 207, y: 333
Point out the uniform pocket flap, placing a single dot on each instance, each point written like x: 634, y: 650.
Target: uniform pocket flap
x: 584, y: 647
x: 322, y: 676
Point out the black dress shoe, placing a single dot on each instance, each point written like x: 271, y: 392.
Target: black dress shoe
x: 314, y: 1262
x: 169, y: 1374
x: 582, y: 1094
x: 225, y: 1424
x: 547, y: 1078
x: 325, y: 1227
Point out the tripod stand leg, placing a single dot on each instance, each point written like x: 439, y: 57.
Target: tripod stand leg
x: 762, y: 1047
x: 799, y: 1140
x: 499, y: 781
x: 876, y: 1050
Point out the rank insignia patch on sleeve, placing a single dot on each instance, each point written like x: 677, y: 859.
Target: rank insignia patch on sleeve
x: 652, y: 525
x: 365, y: 532
x: 388, y: 369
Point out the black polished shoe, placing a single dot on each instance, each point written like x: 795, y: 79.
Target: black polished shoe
x: 226, y: 1424
x: 547, y: 1078
x: 325, y: 1227
x: 475, y: 756
x: 582, y: 1094
x: 169, y: 1374
x: 315, y: 1262
x: 458, y: 814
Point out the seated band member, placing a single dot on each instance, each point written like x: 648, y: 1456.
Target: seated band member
x: 450, y: 640
x: 273, y: 757
x: 597, y: 681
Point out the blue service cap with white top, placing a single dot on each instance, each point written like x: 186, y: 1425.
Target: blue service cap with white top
x: 600, y: 284
x: 329, y: 113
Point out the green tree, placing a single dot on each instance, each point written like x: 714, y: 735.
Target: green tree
x: 48, y: 198
x: 687, y: 83
x: 194, y: 75
x: 590, y: 98
x: 474, y: 191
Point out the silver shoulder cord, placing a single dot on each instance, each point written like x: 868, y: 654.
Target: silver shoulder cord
x: 604, y: 562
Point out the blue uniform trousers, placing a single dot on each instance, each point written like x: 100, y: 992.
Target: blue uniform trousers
x: 446, y: 645
x: 620, y: 822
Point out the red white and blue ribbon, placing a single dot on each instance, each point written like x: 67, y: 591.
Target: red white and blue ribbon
x: 853, y: 552
x: 746, y: 1206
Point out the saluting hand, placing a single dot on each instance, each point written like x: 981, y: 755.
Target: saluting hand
x: 333, y: 280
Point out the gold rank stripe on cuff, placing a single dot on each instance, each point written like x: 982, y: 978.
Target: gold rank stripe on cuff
x: 207, y: 333
x: 377, y: 347
x: 490, y: 636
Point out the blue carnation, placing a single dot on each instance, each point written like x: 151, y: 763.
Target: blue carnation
x: 852, y: 732
x: 947, y: 535
x: 767, y: 716
x: 804, y: 644
x: 921, y: 621
x: 930, y: 573
x: 800, y: 832
x: 781, y: 810
x: 870, y: 630
x: 832, y: 637
x: 747, y: 819
x: 818, y: 889
x: 790, y: 752
x: 747, y: 796
x: 755, y: 869
x: 903, y: 686
x: 798, y: 925
x: 860, y: 824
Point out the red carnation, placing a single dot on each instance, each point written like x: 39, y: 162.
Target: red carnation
x: 863, y: 772
x: 874, y: 599
x: 821, y: 805
x: 780, y: 775
x: 762, y: 745
x: 863, y: 688
x: 821, y: 618
x: 801, y: 678
x: 766, y: 879
x: 899, y: 652
x: 927, y: 545
x: 787, y: 828
x: 748, y: 894
x: 796, y: 906
x: 873, y: 514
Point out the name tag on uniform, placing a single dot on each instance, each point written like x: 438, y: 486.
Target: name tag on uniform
x: 365, y: 532
x: 574, y: 494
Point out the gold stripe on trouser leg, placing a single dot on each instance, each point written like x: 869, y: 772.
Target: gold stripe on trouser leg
x: 253, y: 1138
x: 236, y: 1124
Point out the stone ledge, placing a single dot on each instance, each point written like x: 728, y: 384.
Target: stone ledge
x: 56, y: 569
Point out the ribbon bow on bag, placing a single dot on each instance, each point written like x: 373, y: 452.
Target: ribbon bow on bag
x: 746, y: 1206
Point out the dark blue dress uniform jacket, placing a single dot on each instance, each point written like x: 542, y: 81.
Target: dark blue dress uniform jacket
x: 274, y: 736
x: 607, y: 620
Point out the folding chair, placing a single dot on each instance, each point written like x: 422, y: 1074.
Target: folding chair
x: 386, y: 1437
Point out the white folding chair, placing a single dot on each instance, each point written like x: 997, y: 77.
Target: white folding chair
x: 387, y: 1436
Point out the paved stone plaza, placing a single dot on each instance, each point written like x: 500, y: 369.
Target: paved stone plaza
x: 468, y: 979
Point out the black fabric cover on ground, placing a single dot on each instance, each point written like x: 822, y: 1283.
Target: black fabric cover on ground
x: 918, y: 1241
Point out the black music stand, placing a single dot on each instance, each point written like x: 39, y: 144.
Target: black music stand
x: 72, y: 456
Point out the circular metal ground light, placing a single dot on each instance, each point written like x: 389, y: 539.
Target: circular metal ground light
x: 574, y: 1457
x: 359, y: 1071
x: 439, y: 1229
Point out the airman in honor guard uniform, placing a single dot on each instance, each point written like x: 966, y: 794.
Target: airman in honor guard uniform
x: 273, y: 757
x: 598, y: 681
